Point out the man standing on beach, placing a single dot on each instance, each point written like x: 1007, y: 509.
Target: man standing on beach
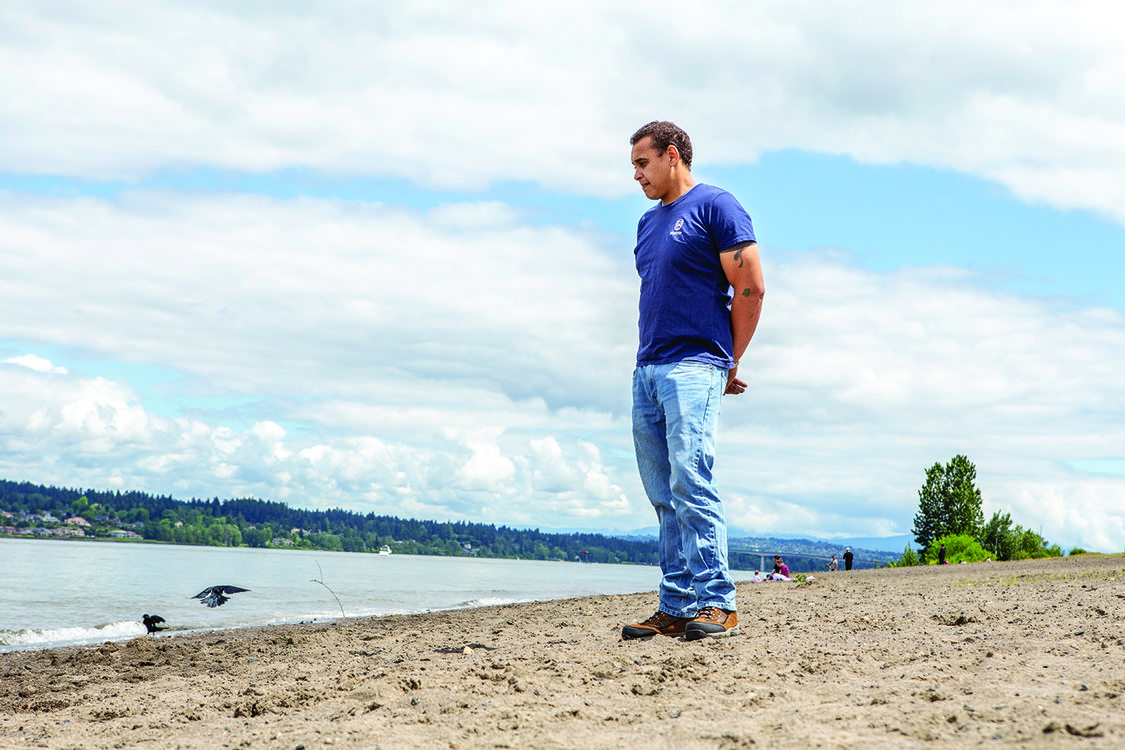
x: 701, y: 298
x: 848, y: 556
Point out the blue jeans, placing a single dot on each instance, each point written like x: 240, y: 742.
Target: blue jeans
x: 675, y: 417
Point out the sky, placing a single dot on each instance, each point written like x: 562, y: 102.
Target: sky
x: 378, y: 256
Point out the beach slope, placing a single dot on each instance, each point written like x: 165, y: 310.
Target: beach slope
x: 1029, y: 653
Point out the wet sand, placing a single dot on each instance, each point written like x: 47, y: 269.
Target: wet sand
x: 1028, y: 654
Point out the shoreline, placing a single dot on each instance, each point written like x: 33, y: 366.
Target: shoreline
x: 1029, y: 653
x: 66, y: 609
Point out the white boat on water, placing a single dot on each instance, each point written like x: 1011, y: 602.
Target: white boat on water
x: 385, y: 550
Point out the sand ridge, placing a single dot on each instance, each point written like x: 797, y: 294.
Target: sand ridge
x: 1028, y: 654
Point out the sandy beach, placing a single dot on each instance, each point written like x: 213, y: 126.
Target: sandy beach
x: 1029, y: 654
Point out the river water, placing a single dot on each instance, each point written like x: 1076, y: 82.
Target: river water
x: 59, y: 592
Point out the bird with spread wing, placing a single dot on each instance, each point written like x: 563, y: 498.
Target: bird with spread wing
x: 214, y: 596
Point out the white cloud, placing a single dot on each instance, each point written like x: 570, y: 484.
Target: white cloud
x: 487, y: 468
x: 463, y: 96
x: 39, y: 364
x: 90, y: 432
x: 313, y: 299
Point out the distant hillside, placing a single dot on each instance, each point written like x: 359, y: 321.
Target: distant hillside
x: 37, y: 510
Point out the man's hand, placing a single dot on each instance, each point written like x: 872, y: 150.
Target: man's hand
x: 734, y: 385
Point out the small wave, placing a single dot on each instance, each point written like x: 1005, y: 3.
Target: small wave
x: 491, y: 601
x: 51, y: 637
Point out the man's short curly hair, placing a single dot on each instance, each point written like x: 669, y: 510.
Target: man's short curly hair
x: 665, y: 134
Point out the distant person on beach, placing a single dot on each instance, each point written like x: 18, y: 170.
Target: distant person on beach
x: 757, y: 577
x: 700, y: 301
x: 832, y: 565
x: 848, y: 558
x: 780, y: 570
x: 941, y: 555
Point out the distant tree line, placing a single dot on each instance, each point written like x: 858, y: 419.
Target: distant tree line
x: 950, y: 514
x: 250, y: 522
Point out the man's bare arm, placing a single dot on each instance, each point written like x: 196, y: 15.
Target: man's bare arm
x: 743, y: 268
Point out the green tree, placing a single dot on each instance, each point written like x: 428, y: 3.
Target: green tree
x: 929, y: 521
x: 949, y: 502
x: 1033, y: 545
x: 909, y: 558
x: 999, y: 536
x: 965, y: 514
x: 80, y: 506
x: 256, y: 537
x: 958, y: 548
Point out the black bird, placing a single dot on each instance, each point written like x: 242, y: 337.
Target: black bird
x: 151, y: 623
x: 214, y: 596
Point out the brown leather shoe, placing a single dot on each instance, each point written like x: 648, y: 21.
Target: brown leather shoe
x: 712, y: 622
x: 660, y: 623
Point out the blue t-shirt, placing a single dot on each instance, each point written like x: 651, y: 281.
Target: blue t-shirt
x: 685, y: 295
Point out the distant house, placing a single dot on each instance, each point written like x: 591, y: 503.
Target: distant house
x: 48, y: 518
x: 78, y: 521
x: 281, y: 541
x: 123, y: 534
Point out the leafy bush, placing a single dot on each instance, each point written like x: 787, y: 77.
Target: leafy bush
x: 958, y: 548
x: 1013, y: 542
x: 1078, y: 551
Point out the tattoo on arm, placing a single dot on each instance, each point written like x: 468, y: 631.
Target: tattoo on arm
x: 738, y: 257
x: 745, y: 292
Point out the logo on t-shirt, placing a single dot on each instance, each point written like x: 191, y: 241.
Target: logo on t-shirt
x: 676, y: 229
